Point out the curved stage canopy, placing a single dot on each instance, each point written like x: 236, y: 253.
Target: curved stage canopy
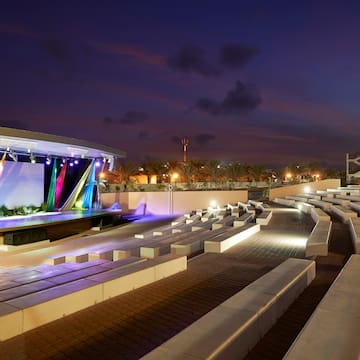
x: 41, y: 144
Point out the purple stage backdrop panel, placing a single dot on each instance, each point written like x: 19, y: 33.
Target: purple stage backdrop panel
x: 21, y: 184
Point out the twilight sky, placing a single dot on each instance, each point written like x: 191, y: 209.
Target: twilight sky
x: 268, y: 82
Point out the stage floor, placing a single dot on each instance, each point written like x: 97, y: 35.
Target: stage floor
x: 15, y: 223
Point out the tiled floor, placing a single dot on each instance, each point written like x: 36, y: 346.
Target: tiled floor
x: 130, y: 325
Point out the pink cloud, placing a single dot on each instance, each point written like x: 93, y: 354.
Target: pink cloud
x: 14, y: 29
x: 131, y: 51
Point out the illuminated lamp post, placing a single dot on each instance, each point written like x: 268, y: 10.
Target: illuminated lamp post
x: 173, y: 177
x: 185, y: 143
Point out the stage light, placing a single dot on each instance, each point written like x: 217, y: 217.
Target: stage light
x: 32, y: 159
x: 76, y: 162
x: 13, y: 156
x: 71, y: 163
x: 97, y: 163
x: 48, y: 160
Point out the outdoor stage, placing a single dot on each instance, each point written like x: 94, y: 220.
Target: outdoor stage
x: 20, y: 230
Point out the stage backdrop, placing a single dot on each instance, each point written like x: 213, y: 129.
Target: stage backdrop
x: 21, y: 184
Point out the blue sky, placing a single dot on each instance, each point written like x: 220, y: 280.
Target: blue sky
x: 268, y: 82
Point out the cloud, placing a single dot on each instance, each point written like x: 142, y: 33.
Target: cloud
x: 204, y: 139
x: 237, y: 101
x: 143, y: 135
x: 137, y: 53
x: 134, y: 117
x: 236, y: 55
x: 129, y: 118
x: 191, y: 59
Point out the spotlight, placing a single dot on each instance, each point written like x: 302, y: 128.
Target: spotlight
x: 32, y: 159
x: 71, y: 164
x: 13, y: 156
x: 48, y: 160
x: 76, y: 162
x: 97, y: 163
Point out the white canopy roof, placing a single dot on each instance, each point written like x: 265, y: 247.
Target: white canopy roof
x: 24, y: 141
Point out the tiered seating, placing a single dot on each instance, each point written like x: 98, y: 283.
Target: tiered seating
x: 343, y: 213
x: 332, y: 332
x: 49, y: 296
x: 231, y: 329
x: 354, y: 224
x: 231, y: 238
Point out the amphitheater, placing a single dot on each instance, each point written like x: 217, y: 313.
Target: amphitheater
x: 254, y: 280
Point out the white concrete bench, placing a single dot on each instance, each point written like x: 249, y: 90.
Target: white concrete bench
x: 230, y: 238
x: 336, y: 201
x: 318, y: 214
x: 286, y: 202
x: 296, y: 198
x: 354, y: 224
x: 353, y: 198
x: 226, y: 221
x: 320, y: 204
x: 264, y: 217
x: 27, y: 312
x: 317, y: 243
x: 231, y: 329
x: 355, y: 207
x: 195, y: 243
x: 304, y: 207
x: 243, y: 219
x: 203, y: 225
x: 308, y: 196
x: 332, y: 332
x: 343, y: 213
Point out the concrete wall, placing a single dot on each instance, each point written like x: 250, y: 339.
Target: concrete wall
x: 182, y: 201
x: 311, y: 187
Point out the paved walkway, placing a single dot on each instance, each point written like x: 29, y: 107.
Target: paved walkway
x: 130, y: 325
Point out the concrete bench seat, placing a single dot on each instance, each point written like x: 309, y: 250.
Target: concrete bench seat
x: 243, y: 219
x: 195, y: 243
x: 27, y: 312
x: 226, y: 221
x: 304, y: 207
x: 318, y: 214
x: 332, y: 332
x: 162, y: 247
x: 230, y: 238
x: 52, y: 278
x: 336, y: 201
x: 286, y: 202
x: 355, y: 207
x: 317, y: 243
x: 352, y: 198
x: 180, y: 220
x: 122, y: 280
x: 354, y: 224
x: 308, y: 196
x: 264, y: 217
x: 320, y: 204
x: 231, y: 329
x: 203, y: 225
x: 296, y: 198
x: 192, y: 219
x: 343, y: 213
